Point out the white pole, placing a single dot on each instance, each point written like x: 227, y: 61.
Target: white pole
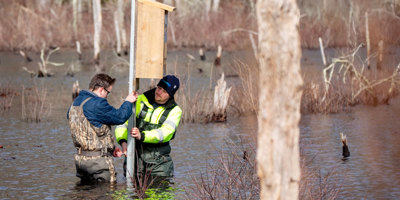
x: 132, y: 120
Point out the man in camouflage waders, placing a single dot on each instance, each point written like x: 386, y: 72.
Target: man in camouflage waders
x: 157, y: 118
x: 90, y: 117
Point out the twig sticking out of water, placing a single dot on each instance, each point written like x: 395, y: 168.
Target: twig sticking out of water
x: 321, y: 46
x: 217, y: 61
x: 346, y: 152
x: 141, y: 182
x: 45, y: 62
x: 7, y: 94
x: 27, y: 58
x: 190, y: 56
x: 31, y: 72
x: 75, y: 90
x: 202, y: 55
x: 78, y: 50
x: 34, y: 104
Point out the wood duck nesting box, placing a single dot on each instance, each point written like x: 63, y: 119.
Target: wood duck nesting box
x: 151, y: 38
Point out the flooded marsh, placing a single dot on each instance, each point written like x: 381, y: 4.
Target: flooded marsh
x: 37, y: 158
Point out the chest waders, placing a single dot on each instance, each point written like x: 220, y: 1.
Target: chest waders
x: 152, y: 158
x: 93, y: 159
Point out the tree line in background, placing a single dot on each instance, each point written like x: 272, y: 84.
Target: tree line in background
x: 34, y: 24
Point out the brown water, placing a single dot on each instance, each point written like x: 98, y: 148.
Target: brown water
x: 37, y: 159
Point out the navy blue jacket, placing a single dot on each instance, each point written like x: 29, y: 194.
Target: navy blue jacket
x: 99, y: 112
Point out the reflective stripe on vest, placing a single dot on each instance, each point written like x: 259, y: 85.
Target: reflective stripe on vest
x: 160, y: 135
x: 159, y: 117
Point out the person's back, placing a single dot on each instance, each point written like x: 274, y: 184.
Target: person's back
x: 90, y: 117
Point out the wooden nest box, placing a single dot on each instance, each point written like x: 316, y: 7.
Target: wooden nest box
x: 151, y: 38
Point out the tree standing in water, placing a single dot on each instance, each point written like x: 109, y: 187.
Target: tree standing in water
x: 280, y: 92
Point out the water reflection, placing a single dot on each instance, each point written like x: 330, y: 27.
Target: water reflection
x: 371, y: 171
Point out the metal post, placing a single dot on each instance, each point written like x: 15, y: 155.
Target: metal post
x: 132, y: 120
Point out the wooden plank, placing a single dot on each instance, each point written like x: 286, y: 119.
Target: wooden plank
x: 158, y: 5
x: 150, y: 42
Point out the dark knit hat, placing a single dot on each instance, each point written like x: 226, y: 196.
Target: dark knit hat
x: 170, y: 84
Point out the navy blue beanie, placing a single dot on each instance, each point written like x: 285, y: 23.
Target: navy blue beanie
x: 170, y: 84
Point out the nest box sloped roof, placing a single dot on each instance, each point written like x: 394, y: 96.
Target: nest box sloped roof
x: 158, y: 5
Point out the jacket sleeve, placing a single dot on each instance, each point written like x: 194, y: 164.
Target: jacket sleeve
x: 106, y: 114
x: 121, y: 133
x: 167, y: 129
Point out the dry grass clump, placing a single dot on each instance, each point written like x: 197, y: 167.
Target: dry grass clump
x: 7, y: 94
x: 233, y: 175
x: 336, y: 99
x: 348, y: 81
x: 317, y: 185
x: 342, y: 23
x: 196, y: 107
x: 35, y: 105
x: 245, y: 97
x: 199, y: 106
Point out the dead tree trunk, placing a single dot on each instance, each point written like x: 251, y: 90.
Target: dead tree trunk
x: 97, y: 19
x: 79, y: 16
x: 215, y: 5
x: 280, y: 92
x: 119, y: 28
x: 221, y: 97
x: 208, y: 4
x: 75, y: 18
x: 117, y: 32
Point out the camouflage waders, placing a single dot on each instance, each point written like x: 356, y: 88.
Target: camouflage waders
x: 94, y: 146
